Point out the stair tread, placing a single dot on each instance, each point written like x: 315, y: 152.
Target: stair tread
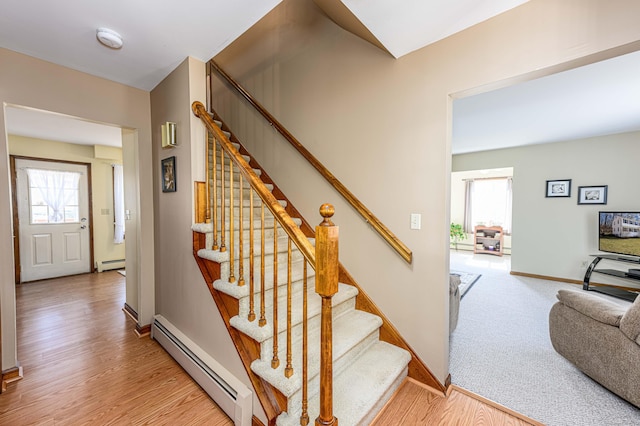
x: 246, y: 202
x: 349, y: 329
x: 361, y: 387
x: 204, y: 228
x: 260, y: 334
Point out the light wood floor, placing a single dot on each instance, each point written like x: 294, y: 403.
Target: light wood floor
x: 414, y: 404
x: 83, y: 363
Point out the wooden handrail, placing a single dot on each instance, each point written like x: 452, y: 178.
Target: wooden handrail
x: 288, y: 225
x: 368, y: 216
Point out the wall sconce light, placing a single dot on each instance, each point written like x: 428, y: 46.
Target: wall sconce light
x: 169, y: 135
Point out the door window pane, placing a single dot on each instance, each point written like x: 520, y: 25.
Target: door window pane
x: 53, y: 196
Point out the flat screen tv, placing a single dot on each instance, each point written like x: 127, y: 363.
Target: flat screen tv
x: 619, y: 232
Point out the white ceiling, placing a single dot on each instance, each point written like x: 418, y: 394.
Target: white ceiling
x: 158, y: 35
x: 61, y: 128
x: 599, y: 99
x: 403, y: 26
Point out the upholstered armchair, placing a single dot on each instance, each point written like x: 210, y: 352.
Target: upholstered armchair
x: 454, y: 301
x: 600, y: 338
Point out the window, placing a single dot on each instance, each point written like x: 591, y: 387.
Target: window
x: 53, y: 196
x: 118, y: 204
x: 488, y: 202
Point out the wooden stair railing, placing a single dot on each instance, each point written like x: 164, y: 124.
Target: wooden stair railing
x: 323, y: 258
x: 368, y: 216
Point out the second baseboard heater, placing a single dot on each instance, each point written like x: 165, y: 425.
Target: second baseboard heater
x: 108, y: 265
x: 231, y: 395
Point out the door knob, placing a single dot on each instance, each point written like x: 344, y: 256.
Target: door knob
x: 83, y: 227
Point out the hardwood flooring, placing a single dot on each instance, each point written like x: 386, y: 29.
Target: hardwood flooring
x: 83, y: 363
x: 415, y: 404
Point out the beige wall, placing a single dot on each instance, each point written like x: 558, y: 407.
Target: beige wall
x: 182, y: 296
x: 555, y: 236
x: 101, y: 159
x: 383, y: 127
x: 30, y: 82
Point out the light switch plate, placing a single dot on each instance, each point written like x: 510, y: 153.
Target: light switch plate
x: 416, y: 220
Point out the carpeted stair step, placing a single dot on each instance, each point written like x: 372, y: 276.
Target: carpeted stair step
x: 353, y: 333
x: 362, y: 389
x: 246, y: 204
x: 341, y: 301
x: 246, y: 222
x: 297, y: 272
x: 236, y: 176
x: 247, y: 158
x: 245, y: 186
x: 216, y: 256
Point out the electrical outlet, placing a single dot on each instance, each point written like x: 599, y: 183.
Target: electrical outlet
x: 416, y: 220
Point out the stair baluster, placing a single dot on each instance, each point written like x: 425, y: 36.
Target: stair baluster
x: 252, y: 287
x: 223, y: 179
x: 304, y: 417
x: 241, y: 236
x: 207, y: 212
x: 275, y: 362
x: 214, y: 173
x: 263, y: 319
x: 288, y: 371
x: 232, y: 256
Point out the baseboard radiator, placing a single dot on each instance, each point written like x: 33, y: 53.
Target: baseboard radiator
x: 227, y: 391
x: 108, y: 265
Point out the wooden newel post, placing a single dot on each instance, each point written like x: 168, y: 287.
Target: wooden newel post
x: 326, y: 287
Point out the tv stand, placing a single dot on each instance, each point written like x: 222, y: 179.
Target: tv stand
x: 612, y: 290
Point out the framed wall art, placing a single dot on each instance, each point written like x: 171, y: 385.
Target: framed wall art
x: 558, y: 188
x: 592, y: 194
x: 169, y: 183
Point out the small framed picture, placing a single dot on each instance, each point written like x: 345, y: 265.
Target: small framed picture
x: 558, y: 188
x: 592, y: 194
x: 169, y: 175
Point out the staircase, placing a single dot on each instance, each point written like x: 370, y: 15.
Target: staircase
x: 273, y: 292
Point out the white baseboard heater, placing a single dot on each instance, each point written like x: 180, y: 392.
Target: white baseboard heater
x: 108, y: 265
x: 226, y: 390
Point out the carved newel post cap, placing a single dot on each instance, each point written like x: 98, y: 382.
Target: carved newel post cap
x: 327, y: 211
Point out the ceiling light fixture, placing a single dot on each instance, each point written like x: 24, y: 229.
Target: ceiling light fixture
x: 109, y: 38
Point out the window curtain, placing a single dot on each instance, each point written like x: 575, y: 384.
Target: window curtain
x: 468, y: 207
x: 508, y: 207
x: 57, y: 189
x: 118, y: 203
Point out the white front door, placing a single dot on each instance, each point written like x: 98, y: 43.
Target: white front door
x: 53, y: 210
